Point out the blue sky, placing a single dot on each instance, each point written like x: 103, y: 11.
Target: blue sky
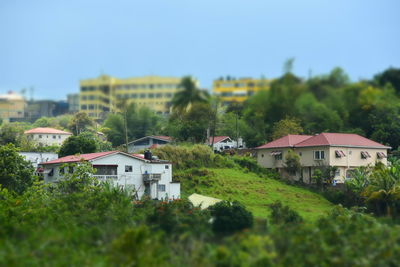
x: 51, y: 45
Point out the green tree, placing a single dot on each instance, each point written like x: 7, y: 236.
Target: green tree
x: 389, y: 76
x: 12, y: 133
x: 16, y: 174
x: 292, y: 162
x: 192, y: 125
x: 80, y: 123
x: 80, y: 144
x: 188, y: 95
x: 285, y: 127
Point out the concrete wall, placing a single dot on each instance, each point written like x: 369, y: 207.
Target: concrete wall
x: 37, y: 157
x: 48, y: 139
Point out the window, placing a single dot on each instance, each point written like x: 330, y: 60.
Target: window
x: 339, y: 154
x: 262, y: 155
x: 350, y: 173
x: 128, y: 168
x: 319, y: 155
x: 91, y: 107
x: 277, y: 155
x: 59, y: 137
x: 83, y: 107
x: 381, y: 155
x: 337, y: 172
x: 161, y: 187
x: 365, y: 155
x: 40, y: 136
x: 166, y: 167
x: 62, y: 170
x: 151, y: 95
x: 54, y: 136
x: 71, y: 169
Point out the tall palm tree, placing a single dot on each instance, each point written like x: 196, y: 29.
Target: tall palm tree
x: 384, y: 189
x: 188, y: 95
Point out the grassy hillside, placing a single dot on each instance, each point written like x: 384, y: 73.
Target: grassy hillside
x: 253, y: 191
x: 237, y: 178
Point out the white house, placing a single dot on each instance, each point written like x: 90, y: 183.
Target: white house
x: 47, y: 136
x: 147, y: 142
x: 143, y: 174
x: 37, y: 157
x: 224, y: 142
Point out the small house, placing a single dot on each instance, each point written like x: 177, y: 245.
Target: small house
x: 147, y: 142
x: 44, y: 136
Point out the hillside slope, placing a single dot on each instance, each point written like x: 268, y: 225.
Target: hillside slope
x: 253, y: 191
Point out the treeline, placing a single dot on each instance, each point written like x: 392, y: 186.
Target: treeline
x: 291, y: 105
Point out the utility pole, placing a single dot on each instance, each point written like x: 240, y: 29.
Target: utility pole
x: 237, y: 133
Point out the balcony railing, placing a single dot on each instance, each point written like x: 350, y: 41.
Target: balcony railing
x: 151, y: 177
x: 106, y: 177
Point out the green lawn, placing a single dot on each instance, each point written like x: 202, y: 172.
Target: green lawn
x: 256, y: 193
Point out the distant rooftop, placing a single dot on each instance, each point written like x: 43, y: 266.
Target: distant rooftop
x: 45, y: 130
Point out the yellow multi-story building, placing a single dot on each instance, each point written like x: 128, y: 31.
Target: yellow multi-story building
x: 232, y: 90
x: 12, y: 107
x: 102, y: 95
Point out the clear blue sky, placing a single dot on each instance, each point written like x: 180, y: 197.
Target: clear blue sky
x: 52, y: 44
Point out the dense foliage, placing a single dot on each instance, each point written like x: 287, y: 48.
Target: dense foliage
x: 81, y: 222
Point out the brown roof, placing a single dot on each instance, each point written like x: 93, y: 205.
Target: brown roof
x: 287, y: 141
x: 45, y: 130
x: 339, y: 139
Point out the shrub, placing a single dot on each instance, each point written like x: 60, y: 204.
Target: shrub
x: 283, y: 215
x: 230, y: 217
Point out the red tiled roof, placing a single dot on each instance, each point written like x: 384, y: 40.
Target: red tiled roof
x: 45, y: 130
x: 77, y: 158
x: 217, y: 139
x: 339, y: 139
x: 286, y: 141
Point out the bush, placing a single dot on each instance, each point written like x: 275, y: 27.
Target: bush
x: 283, y: 215
x: 230, y: 217
x: 179, y: 216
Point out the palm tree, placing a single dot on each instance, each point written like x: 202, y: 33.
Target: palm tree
x: 384, y: 189
x: 188, y: 95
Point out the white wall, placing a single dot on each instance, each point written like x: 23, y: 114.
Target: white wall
x: 134, y: 179
x: 48, y: 139
x: 37, y: 157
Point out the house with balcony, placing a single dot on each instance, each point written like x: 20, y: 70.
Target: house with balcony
x: 343, y: 151
x: 141, y: 173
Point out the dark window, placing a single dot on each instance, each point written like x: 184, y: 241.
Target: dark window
x: 91, y: 107
x: 62, y: 170
x: 166, y: 167
x: 128, y: 168
x: 83, y: 107
x: 142, y: 95
x: 54, y: 137
x: 40, y: 136
x: 151, y: 95
x: 161, y: 187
